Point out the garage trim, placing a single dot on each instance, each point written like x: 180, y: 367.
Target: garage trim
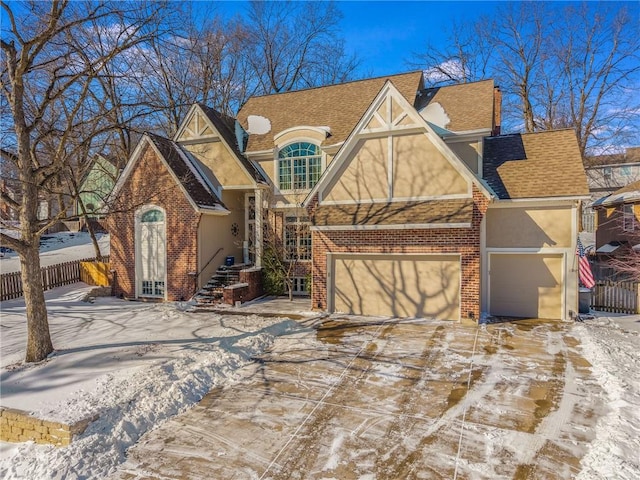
x: 561, y: 252
x: 332, y: 256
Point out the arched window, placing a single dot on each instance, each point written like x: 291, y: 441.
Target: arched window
x: 152, y: 216
x: 151, y: 252
x: 299, y: 166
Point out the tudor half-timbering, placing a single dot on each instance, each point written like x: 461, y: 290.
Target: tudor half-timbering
x: 399, y: 200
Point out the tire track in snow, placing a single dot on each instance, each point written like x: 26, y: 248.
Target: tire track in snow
x: 304, y: 445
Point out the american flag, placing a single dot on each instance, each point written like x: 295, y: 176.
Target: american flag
x: 584, y: 269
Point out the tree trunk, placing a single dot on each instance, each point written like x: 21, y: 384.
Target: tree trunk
x: 94, y: 240
x: 88, y: 223
x: 38, y: 337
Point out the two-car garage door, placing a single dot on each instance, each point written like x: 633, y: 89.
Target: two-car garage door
x: 395, y: 285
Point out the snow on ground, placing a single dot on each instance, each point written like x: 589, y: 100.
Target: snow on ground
x: 138, y: 364
x: 611, y: 344
x: 133, y: 364
x: 59, y: 248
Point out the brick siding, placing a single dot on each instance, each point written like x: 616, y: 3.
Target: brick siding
x: 463, y: 241
x: 151, y: 184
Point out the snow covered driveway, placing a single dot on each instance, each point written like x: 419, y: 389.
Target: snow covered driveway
x: 363, y: 399
x: 346, y: 398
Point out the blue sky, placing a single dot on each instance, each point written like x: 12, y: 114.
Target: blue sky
x: 384, y: 34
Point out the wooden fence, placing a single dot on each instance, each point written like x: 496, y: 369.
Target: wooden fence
x: 52, y: 276
x: 616, y: 297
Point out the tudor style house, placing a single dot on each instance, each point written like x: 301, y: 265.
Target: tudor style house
x: 404, y: 201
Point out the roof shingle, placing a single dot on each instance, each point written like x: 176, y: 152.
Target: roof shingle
x: 226, y: 127
x: 534, y: 165
x: 177, y: 159
x: 469, y: 106
x: 339, y: 107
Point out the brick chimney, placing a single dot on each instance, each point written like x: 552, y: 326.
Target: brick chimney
x: 497, y: 110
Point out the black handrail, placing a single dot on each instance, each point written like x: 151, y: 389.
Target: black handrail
x: 207, y: 264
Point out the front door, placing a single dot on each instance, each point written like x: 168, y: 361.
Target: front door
x: 151, y: 254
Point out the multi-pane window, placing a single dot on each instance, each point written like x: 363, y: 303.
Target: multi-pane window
x: 629, y: 218
x: 299, y: 166
x: 300, y: 286
x: 297, y: 238
x: 151, y: 216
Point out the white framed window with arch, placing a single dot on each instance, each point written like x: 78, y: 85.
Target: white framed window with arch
x: 298, y: 166
x: 151, y: 252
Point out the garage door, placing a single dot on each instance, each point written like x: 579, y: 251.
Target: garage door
x: 396, y: 285
x: 526, y: 285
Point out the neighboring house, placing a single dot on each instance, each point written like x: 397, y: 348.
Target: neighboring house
x: 48, y: 204
x: 617, y: 217
x: 8, y: 185
x: 6, y: 212
x: 606, y: 174
x: 96, y: 186
x: 414, y: 205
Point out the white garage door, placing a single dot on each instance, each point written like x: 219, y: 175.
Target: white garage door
x: 396, y: 285
x: 526, y: 285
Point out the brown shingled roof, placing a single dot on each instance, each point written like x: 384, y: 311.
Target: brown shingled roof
x: 395, y: 213
x: 469, y: 106
x: 338, y: 107
x: 178, y: 160
x: 226, y: 127
x: 543, y: 164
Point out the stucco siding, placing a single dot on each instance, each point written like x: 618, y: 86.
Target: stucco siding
x: 468, y: 152
x: 365, y: 176
x: 217, y: 232
x: 420, y: 169
x: 301, y: 135
x: 530, y: 227
x: 217, y: 160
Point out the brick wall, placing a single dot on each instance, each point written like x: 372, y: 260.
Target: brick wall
x: 151, y: 183
x: 463, y: 241
x: 253, y: 278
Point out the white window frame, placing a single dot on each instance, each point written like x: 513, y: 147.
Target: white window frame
x: 158, y: 288
x: 299, y: 240
x: 628, y: 218
x: 291, y: 167
x: 299, y: 286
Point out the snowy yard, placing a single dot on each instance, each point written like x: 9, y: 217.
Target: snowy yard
x: 342, y: 398
x: 59, y: 248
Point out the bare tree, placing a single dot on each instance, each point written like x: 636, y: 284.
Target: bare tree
x: 463, y: 59
x: 575, y: 68
x: 50, y: 76
x: 295, y: 45
x: 196, y: 63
